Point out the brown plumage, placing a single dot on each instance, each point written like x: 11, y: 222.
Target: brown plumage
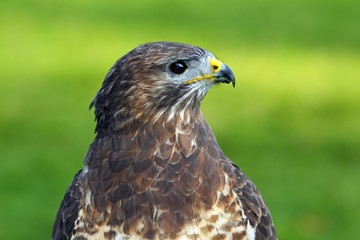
x: 155, y: 170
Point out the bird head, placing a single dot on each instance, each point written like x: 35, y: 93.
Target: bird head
x: 157, y: 80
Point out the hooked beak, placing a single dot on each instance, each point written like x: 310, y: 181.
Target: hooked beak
x: 224, y: 75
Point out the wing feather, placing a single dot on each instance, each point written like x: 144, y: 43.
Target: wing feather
x: 68, y: 212
x: 254, y: 206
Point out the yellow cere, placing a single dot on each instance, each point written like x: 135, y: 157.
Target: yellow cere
x: 215, y: 66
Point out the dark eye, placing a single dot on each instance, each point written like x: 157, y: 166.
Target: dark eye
x: 178, y: 67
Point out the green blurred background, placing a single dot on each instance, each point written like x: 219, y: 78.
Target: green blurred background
x: 292, y: 123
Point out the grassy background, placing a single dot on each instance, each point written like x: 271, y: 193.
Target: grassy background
x: 292, y: 123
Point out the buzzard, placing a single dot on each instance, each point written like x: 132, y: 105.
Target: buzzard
x: 155, y: 170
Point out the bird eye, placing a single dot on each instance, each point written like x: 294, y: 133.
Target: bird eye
x: 178, y: 67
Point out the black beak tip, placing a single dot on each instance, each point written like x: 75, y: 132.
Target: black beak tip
x: 225, y: 75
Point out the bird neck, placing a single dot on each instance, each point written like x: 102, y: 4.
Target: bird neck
x: 173, y: 160
x: 179, y: 135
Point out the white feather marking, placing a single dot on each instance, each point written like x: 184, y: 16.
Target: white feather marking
x: 250, y: 231
x: 88, y: 198
x: 182, y: 114
x: 172, y: 114
x: 158, y: 115
x: 193, y: 142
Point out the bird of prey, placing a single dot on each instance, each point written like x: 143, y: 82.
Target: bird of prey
x: 155, y: 169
